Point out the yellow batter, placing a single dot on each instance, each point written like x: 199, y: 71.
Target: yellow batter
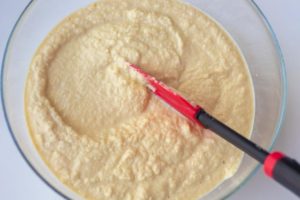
x: 103, y: 133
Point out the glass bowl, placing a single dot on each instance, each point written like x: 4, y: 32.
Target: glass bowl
x: 242, y: 19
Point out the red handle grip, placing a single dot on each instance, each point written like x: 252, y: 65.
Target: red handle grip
x: 271, y: 162
x: 284, y: 170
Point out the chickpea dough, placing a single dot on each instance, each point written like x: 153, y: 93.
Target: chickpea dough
x: 103, y: 133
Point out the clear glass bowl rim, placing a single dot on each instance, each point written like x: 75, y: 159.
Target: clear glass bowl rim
x: 275, y: 134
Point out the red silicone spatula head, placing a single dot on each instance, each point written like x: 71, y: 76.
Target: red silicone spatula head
x: 172, y: 98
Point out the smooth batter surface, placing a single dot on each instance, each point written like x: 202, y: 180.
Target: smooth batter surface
x: 103, y: 133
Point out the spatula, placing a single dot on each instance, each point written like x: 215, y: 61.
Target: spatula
x: 278, y: 166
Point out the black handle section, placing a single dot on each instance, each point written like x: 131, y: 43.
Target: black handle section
x: 287, y: 173
x: 232, y: 136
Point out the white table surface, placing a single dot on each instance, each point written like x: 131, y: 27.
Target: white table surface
x: 17, y: 181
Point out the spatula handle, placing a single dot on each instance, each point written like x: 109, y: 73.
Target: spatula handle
x: 281, y: 168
